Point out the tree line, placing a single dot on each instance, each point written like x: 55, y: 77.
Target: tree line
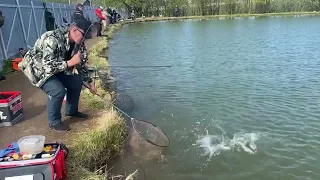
x: 208, y: 7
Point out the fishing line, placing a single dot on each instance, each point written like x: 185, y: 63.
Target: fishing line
x: 180, y: 27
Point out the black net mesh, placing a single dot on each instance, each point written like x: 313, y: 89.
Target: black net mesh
x: 147, y: 141
x: 123, y: 101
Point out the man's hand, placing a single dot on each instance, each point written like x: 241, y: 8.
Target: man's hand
x: 76, y: 59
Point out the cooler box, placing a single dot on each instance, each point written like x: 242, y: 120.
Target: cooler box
x: 51, y: 168
x: 11, y: 110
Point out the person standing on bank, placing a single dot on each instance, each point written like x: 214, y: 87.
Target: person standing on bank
x: 49, y: 65
x: 78, y: 14
x: 99, y: 18
x: 86, y: 3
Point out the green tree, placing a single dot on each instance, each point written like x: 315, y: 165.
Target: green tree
x: 206, y: 7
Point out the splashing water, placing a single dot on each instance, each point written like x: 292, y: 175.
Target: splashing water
x: 214, y: 144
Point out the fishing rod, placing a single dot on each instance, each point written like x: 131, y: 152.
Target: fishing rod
x: 156, y: 66
x: 142, y: 66
x: 82, y: 48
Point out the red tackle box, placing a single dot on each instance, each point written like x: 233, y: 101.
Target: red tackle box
x: 11, y: 110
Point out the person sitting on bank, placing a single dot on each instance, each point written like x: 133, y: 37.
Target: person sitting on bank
x: 50, y: 64
x: 22, y: 53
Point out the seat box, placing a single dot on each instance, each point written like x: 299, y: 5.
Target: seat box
x: 11, y: 110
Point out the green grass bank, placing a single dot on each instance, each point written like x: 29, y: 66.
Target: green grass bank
x: 90, y: 151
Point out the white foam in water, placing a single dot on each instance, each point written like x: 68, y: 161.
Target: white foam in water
x: 213, y: 144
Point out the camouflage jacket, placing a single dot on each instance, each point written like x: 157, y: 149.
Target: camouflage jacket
x: 48, y: 57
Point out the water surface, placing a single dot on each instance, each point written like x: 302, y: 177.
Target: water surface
x: 255, y: 79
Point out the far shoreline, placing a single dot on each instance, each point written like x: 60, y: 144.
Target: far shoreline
x: 228, y: 16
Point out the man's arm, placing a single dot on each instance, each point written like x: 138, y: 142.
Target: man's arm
x: 52, y: 63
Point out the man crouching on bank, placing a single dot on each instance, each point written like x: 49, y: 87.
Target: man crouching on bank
x: 50, y: 67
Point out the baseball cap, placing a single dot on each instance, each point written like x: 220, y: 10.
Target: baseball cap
x: 84, y: 25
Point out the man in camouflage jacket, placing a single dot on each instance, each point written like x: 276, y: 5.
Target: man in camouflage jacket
x: 50, y: 65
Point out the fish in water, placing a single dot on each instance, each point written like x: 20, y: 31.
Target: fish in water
x: 213, y: 145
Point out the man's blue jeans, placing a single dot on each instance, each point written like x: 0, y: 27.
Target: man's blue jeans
x: 55, y: 87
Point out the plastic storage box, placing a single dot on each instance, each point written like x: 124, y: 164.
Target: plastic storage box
x: 11, y: 110
x: 31, y: 144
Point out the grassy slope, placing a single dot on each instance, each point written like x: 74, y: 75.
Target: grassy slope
x: 91, y: 153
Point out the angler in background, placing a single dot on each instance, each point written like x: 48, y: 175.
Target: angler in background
x: 49, y: 19
x: 22, y: 53
x: 106, y: 21
x: 52, y: 69
x: 99, y: 19
x: 176, y: 11
x: 114, y: 16
x: 109, y: 10
x: 78, y: 14
x: 87, y: 3
x: 132, y: 15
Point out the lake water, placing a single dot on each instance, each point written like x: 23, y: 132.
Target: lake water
x: 247, y: 89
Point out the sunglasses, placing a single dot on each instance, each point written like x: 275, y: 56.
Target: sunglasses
x: 81, y: 32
